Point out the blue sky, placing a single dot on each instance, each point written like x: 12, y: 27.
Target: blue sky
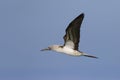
x: 26, y: 26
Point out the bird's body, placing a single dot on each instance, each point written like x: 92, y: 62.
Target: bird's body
x: 65, y: 49
x: 71, y: 40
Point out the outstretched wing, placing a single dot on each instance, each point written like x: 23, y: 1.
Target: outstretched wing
x: 73, y: 32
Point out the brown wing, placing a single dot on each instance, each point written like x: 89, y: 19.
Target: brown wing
x: 73, y: 31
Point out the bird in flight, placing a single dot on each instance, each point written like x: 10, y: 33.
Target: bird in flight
x: 71, y: 40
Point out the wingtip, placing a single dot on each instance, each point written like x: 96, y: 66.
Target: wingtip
x: 82, y: 14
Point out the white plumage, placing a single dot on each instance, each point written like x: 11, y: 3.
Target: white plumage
x: 71, y: 39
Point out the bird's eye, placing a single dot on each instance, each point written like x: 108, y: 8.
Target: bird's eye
x: 49, y: 48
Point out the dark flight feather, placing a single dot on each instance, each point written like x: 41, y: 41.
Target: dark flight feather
x: 73, y: 31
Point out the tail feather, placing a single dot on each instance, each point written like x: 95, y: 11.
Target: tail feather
x: 91, y: 56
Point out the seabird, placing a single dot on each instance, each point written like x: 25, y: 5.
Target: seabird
x: 71, y: 40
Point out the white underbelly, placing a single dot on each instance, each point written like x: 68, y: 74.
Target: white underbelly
x: 69, y: 51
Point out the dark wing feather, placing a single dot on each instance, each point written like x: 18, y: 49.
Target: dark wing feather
x: 73, y: 31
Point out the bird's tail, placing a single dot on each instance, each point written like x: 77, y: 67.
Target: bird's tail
x: 91, y: 56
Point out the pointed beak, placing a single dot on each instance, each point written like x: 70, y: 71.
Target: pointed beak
x: 45, y: 49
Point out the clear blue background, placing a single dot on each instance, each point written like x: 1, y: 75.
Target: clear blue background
x: 26, y: 26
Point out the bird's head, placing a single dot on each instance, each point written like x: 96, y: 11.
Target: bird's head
x: 51, y: 47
